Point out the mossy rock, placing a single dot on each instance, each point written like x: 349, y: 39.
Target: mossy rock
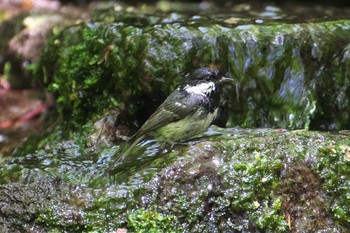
x: 242, y: 180
x: 286, y: 75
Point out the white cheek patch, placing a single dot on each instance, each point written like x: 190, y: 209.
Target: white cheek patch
x: 180, y: 105
x: 201, y: 89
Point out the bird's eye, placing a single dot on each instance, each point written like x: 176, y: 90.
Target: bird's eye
x: 211, y: 77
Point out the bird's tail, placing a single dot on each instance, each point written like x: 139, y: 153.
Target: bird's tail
x: 124, y: 155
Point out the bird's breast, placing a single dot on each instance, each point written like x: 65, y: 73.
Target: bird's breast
x: 187, y: 127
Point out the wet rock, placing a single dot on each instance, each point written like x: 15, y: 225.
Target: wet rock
x: 287, y: 74
x: 240, y: 180
x: 25, y: 205
x: 109, y: 129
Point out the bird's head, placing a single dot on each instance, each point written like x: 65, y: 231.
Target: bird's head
x: 204, y: 81
x: 205, y: 75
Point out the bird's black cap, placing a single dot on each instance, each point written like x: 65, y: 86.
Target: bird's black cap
x: 204, y: 74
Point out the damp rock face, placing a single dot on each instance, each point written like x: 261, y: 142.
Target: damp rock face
x: 290, y: 70
x: 290, y: 75
x: 26, y: 207
x: 241, y: 180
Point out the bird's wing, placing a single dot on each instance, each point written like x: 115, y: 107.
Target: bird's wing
x: 177, y: 106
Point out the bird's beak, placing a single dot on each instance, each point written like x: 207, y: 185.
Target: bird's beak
x: 225, y: 80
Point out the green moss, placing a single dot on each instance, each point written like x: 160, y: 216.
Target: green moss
x: 10, y: 173
x: 269, y: 217
x: 142, y: 220
x: 132, y: 64
x: 253, y: 182
x: 49, y: 216
x: 96, y: 67
x: 77, y: 75
x: 241, y: 181
x: 334, y: 168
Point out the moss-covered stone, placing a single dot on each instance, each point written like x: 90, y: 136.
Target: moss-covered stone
x: 333, y: 169
x: 42, y: 202
x: 256, y: 180
x: 151, y: 221
x: 287, y: 75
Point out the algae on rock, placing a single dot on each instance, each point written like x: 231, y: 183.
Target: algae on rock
x: 285, y: 74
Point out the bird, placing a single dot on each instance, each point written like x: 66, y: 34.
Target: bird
x: 187, y: 112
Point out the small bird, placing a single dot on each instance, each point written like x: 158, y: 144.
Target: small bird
x: 187, y: 112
